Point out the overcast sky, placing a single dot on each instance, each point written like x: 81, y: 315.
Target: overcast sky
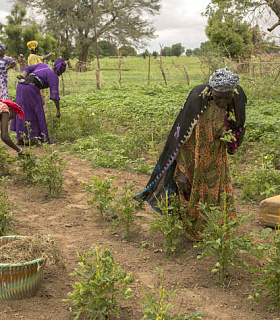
x: 179, y: 21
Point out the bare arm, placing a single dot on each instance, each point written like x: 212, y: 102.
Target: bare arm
x: 5, y: 117
x: 48, y: 55
x: 10, y: 66
x: 23, y: 75
x: 56, y: 102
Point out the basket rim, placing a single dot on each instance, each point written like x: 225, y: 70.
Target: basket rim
x: 20, y: 264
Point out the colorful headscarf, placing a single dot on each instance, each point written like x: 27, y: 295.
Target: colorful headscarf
x: 223, y: 80
x: 32, y: 45
x: 59, y: 65
x: 2, y: 46
x: 15, y: 107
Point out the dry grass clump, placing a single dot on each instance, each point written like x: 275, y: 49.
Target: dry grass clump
x: 31, y: 248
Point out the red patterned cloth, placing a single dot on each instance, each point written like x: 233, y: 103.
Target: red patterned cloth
x: 15, y: 107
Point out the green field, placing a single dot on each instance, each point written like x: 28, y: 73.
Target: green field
x: 125, y: 124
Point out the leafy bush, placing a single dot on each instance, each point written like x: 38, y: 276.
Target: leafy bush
x: 102, y: 284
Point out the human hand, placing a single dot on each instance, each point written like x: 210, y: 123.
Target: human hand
x: 20, y: 77
x: 58, y: 114
x: 23, y: 153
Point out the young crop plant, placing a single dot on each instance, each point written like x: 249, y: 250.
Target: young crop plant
x: 267, y: 278
x: 219, y: 239
x: 126, y: 210
x: 50, y: 172
x: 262, y: 182
x: 158, y: 302
x: 103, y: 195
x: 6, y: 216
x: 169, y: 223
x: 5, y: 161
x: 100, y: 287
x: 28, y: 159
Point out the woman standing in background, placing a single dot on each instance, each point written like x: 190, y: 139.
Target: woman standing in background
x: 34, y: 58
x: 6, y: 63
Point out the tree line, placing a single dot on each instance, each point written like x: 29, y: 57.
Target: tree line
x: 119, y: 27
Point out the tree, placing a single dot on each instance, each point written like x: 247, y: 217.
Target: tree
x: 196, y: 51
x: 107, y: 48
x: 229, y: 34
x: 166, y: 52
x: 243, y: 8
x: 121, y: 21
x: 155, y: 54
x: 17, y: 33
x: 177, y: 49
x: 13, y: 30
x: 127, y: 51
x: 189, y: 52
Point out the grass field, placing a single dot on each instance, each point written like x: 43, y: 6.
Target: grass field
x: 124, y: 125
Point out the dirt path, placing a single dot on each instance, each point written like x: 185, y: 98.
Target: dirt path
x: 69, y: 220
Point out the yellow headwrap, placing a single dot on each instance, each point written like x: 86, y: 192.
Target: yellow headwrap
x: 32, y: 45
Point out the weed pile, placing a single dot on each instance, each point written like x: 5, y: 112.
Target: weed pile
x: 31, y: 248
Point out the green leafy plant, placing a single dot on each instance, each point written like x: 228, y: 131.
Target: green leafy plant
x: 219, y: 238
x: 103, y: 194
x: 267, y: 278
x: 158, y: 302
x: 126, y: 210
x: 6, y: 216
x: 169, y: 223
x: 261, y: 182
x: 5, y: 161
x: 49, y: 173
x: 102, y: 284
x: 28, y: 159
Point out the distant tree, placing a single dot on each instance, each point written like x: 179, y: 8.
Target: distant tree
x: 47, y: 43
x: 196, y: 51
x: 189, y: 52
x: 12, y: 32
x: 244, y: 8
x: 226, y: 31
x: 122, y: 21
x: 127, y: 51
x: 155, y: 54
x: 177, y: 49
x: 107, y: 48
x: 145, y: 54
x: 17, y: 33
x: 166, y: 52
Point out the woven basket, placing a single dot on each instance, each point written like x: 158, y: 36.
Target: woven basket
x: 19, y: 280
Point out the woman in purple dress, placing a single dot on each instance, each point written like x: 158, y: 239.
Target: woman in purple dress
x: 34, y: 78
x: 5, y: 64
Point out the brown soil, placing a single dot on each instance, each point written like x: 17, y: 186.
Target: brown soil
x: 70, y: 221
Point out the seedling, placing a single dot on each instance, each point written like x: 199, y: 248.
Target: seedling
x: 103, y: 195
x: 158, y: 302
x: 126, y: 211
x: 219, y: 239
x: 6, y: 216
x: 169, y: 223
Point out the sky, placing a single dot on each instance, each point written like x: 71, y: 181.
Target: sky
x: 179, y: 21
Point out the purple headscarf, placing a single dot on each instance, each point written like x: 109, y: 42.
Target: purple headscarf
x: 59, y: 65
x: 2, y: 47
